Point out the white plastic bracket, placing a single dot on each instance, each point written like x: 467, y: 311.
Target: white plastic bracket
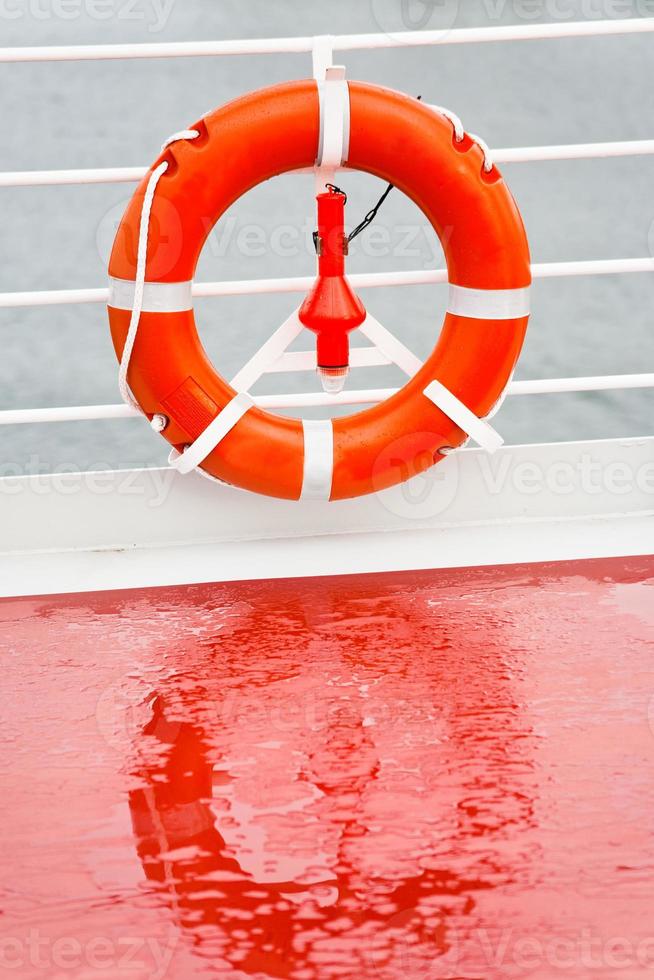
x: 322, y: 55
x: 214, y: 433
x: 334, y: 100
x: 273, y: 356
x: 478, y: 429
x: 268, y: 354
x: 392, y: 347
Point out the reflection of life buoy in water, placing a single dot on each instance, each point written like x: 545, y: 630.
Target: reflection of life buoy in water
x: 368, y: 698
x: 254, y: 922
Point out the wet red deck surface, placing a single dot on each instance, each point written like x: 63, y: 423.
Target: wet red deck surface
x: 434, y: 774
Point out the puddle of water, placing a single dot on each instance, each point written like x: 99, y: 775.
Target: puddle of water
x: 434, y: 774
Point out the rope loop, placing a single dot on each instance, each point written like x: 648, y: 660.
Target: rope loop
x: 141, y: 262
x: 459, y: 133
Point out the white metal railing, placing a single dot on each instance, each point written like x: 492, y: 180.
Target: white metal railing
x: 314, y: 399
x: 341, y: 42
x: 301, y: 284
x: 513, y: 154
x: 321, y: 47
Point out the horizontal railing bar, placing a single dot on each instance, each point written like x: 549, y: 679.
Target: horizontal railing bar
x: 52, y: 178
x: 300, y: 284
x: 613, y: 382
x: 572, y: 151
x: 343, y: 42
x: 53, y: 297
x: 591, y: 267
x: 602, y: 382
x: 72, y: 413
x: 514, y: 154
x: 89, y: 413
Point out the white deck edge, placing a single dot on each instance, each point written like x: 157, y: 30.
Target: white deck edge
x: 88, y: 532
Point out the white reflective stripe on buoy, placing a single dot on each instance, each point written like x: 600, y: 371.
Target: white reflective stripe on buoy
x: 318, y: 459
x: 214, y: 433
x: 158, y: 297
x: 488, y: 304
x: 334, y: 136
x: 479, y: 430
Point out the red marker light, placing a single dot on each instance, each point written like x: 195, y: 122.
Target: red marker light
x: 332, y: 308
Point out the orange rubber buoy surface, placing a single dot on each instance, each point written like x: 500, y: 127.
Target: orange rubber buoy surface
x: 396, y: 138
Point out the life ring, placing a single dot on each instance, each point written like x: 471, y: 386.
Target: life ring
x: 281, y: 129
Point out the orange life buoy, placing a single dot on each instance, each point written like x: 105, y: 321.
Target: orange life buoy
x: 270, y: 132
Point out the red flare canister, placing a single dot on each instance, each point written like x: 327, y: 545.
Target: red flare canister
x: 332, y: 308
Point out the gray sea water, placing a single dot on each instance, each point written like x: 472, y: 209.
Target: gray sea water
x: 116, y: 113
